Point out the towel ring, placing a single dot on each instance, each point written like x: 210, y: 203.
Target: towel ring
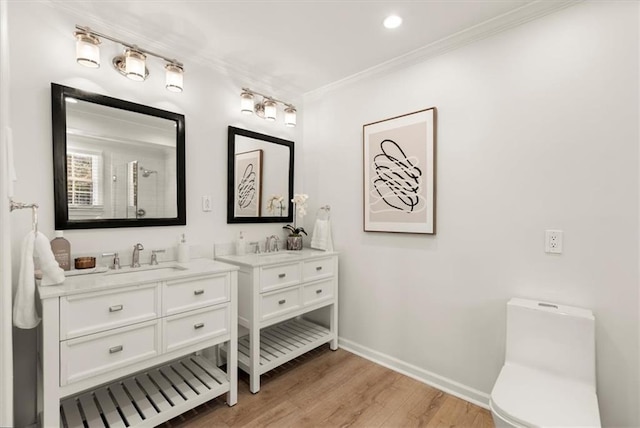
x: 13, y: 205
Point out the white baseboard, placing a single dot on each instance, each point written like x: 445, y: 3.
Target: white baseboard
x: 442, y: 383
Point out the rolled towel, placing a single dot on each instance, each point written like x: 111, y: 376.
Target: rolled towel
x: 52, y: 273
x: 24, y: 305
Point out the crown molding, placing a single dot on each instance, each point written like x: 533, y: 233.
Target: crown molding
x: 506, y: 21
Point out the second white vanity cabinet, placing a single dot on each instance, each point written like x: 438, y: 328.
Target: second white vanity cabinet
x: 128, y: 348
x: 277, y: 293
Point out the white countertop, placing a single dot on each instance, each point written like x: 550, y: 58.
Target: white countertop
x: 133, y: 276
x: 254, y: 260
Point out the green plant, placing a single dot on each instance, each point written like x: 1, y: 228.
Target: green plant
x: 295, y: 231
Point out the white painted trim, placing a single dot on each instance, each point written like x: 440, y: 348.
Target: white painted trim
x: 485, y: 29
x: 442, y: 383
x: 6, y: 338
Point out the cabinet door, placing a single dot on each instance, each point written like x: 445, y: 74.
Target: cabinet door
x: 317, y: 268
x: 317, y: 292
x: 88, y: 313
x: 99, y: 353
x: 279, y: 276
x: 279, y: 303
x: 195, y: 326
x: 192, y: 293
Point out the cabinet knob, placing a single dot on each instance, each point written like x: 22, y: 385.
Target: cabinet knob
x: 199, y: 325
x: 319, y: 291
x: 282, y: 275
x: 318, y: 267
x: 115, y: 308
x: 198, y: 292
x: 282, y: 302
x: 116, y: 349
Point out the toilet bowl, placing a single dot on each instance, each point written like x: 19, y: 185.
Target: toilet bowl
x: 548, y: 378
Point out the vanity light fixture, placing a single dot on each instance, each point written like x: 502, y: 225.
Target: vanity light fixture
x: 267, y: 108
x: 87, y: 49
x: 290, y: 116
x: 132, y: 63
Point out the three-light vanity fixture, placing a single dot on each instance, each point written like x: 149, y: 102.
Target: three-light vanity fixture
x: 132, y: 63
x: 267, y: 108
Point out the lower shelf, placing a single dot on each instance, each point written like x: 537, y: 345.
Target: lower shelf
x: 148, y: 398
x: 283, y: 342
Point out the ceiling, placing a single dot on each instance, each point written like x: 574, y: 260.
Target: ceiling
x: 300, y: 46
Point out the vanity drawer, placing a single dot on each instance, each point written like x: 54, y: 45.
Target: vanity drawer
x: 279, y: 303
x: 192, y: 293
x: 98, y: 353
x: 318, y: 268
x: 317, y: 292
x: 88, y: 313
x: 279, y: 276
x: 195, y: 326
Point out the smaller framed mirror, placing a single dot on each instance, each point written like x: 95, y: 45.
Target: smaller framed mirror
x: 260, y: 178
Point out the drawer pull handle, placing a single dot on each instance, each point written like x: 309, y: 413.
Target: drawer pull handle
x: 282, y: 302
x: 198, y: 292
x: 282, y: 275
x: 318, y: 267
x: 318, y: 291
x: 116, y: 308
x: 115, y: 349
x: 199, y: 325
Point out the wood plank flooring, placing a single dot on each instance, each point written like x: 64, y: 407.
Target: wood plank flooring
x: 335, y: 389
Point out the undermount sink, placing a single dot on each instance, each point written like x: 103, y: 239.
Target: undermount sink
x: 280, y: 255
x: 146, y: 268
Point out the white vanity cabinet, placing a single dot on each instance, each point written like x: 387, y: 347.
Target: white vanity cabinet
x: 133, y: 348
x: 276, y: 294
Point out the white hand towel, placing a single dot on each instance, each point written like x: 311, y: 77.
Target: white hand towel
x: 52, y: 273
x: 321, y: 238
x: 24, y: 305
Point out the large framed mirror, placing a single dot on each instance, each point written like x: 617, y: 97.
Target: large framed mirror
x: 115, y: 163
x: 260, y: 178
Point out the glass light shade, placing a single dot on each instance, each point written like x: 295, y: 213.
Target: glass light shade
x: 135, y: 65
x: 174, y: 77
x: 290, y: 116
x: 87, y: 50
x: 246, y: 102
x: 270, y: 110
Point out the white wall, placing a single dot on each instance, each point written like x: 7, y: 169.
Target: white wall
x: 210, y: 103
x: 537, y: 129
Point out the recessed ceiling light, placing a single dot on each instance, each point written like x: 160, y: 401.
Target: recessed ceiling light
x: 392, y: 21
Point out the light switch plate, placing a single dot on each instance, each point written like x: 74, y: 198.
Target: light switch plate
x: 206, y: 203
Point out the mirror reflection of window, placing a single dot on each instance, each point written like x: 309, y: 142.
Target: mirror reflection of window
x: 85, y: 190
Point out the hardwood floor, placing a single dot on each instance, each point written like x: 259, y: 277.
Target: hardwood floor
x: 335, y: 389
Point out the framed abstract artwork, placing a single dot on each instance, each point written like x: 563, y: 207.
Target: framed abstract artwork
x: 248, y: 183
x: 400, y: 173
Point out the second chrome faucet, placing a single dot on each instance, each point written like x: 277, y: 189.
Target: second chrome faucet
x: 135, y: 258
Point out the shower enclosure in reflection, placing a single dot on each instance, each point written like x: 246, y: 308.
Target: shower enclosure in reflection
x: 144, y: 188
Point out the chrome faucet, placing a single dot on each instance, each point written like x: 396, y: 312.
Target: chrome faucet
x: 154, y: 256
x: 115, y: 262
x: 272, y: 241
x: 135, y: 258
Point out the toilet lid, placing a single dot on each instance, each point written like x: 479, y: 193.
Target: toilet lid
x: 535, y: 398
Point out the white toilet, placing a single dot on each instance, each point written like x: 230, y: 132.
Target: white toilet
x: 549, y: 375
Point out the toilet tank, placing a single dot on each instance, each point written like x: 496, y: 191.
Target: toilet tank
x: 555, y: 338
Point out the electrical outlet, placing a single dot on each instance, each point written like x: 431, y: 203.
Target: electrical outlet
x: 553, y: 241
x: 206, y: 203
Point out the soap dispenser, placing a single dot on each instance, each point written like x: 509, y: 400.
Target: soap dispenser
x: 240, y: 245
x: 183, y: 250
